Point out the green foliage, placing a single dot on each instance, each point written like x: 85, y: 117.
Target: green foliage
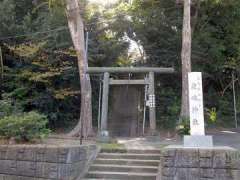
x: 7, y: 108
x: 217, y: 35
x: 184, y: 127
x: 212, y: 115
x: 24, y: 127
x: 168, y: 104
x: 111, y: 146
x: 7, y: 21
x: 19, y: 93
x: 40, y: 70
x: 157, y: 26
x: 225, y: 112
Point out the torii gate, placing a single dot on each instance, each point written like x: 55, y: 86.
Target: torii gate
x: 107, y: 81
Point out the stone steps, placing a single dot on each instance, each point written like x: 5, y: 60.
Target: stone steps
x: 137, y: 151
x: 123, y: 168
x: 95, y: 179
x: 122, y: 175
x: 134, y: 162
x: 125, y: 165
x: 129, y: 156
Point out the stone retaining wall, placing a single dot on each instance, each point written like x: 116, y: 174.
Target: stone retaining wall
x: 44, y: 162
x: 178, y: 163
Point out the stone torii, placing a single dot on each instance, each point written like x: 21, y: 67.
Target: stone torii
x: 107, y: 81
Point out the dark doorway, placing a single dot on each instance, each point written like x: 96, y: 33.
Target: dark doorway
x: 126, y: 110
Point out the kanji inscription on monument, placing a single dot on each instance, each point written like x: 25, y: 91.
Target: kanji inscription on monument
x: 196, y: 103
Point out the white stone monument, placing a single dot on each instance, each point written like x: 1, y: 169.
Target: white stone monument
x: 197, y: 136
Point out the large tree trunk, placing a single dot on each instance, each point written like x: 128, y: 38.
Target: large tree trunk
x: 186, y: 57
x: 76, y: 27
x: 1, y: 72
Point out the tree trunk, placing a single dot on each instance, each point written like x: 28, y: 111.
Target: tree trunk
x: 234, y: 99
x: 76, y: 27
x: 1, y: 72
x: 186, y: 58
x: 195, y: 16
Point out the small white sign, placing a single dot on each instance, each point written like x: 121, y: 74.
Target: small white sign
x: 196, y: 103
x: 152, y: 100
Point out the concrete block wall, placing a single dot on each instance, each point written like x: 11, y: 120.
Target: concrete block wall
x: 44, y: 162
x: 200, y: 164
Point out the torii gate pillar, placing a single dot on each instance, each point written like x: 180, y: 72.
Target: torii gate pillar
x: 105, y: 102
x: 152, y: 106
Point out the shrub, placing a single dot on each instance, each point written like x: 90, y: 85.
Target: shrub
x: 5, y: 108
x: 211, y: 115
x: 184, y: 127
x: 24, y: 127
x: 8, y: 107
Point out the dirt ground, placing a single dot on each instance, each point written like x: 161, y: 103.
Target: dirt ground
x: 221, y: 137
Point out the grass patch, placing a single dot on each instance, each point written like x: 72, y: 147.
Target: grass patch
x: 111, y: 145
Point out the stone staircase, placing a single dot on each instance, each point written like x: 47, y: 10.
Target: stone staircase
x: 122, y: 164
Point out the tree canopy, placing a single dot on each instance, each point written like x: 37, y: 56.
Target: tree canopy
x: 40, y: 64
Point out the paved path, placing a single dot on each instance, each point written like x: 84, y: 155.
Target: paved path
x: 148, y: 143
x: 227, y: 138
x: 220, y: 138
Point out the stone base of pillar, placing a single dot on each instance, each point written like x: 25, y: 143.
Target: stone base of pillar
x: 103, y: 137
x: 152, y: 132
x: 198, y: 141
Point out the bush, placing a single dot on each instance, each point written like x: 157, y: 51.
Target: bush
x: 184, y: 127
x: 5, y: 108
x: 211, y: 116
x: 8, y: 107
x: 24, y: 127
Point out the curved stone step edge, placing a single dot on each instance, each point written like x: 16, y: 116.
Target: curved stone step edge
x: 98, y: 179
x: 129, y: 156
x: 138, y: 151
x: 124, y: 168
x: 121, y: 175
x: 138, y: 162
